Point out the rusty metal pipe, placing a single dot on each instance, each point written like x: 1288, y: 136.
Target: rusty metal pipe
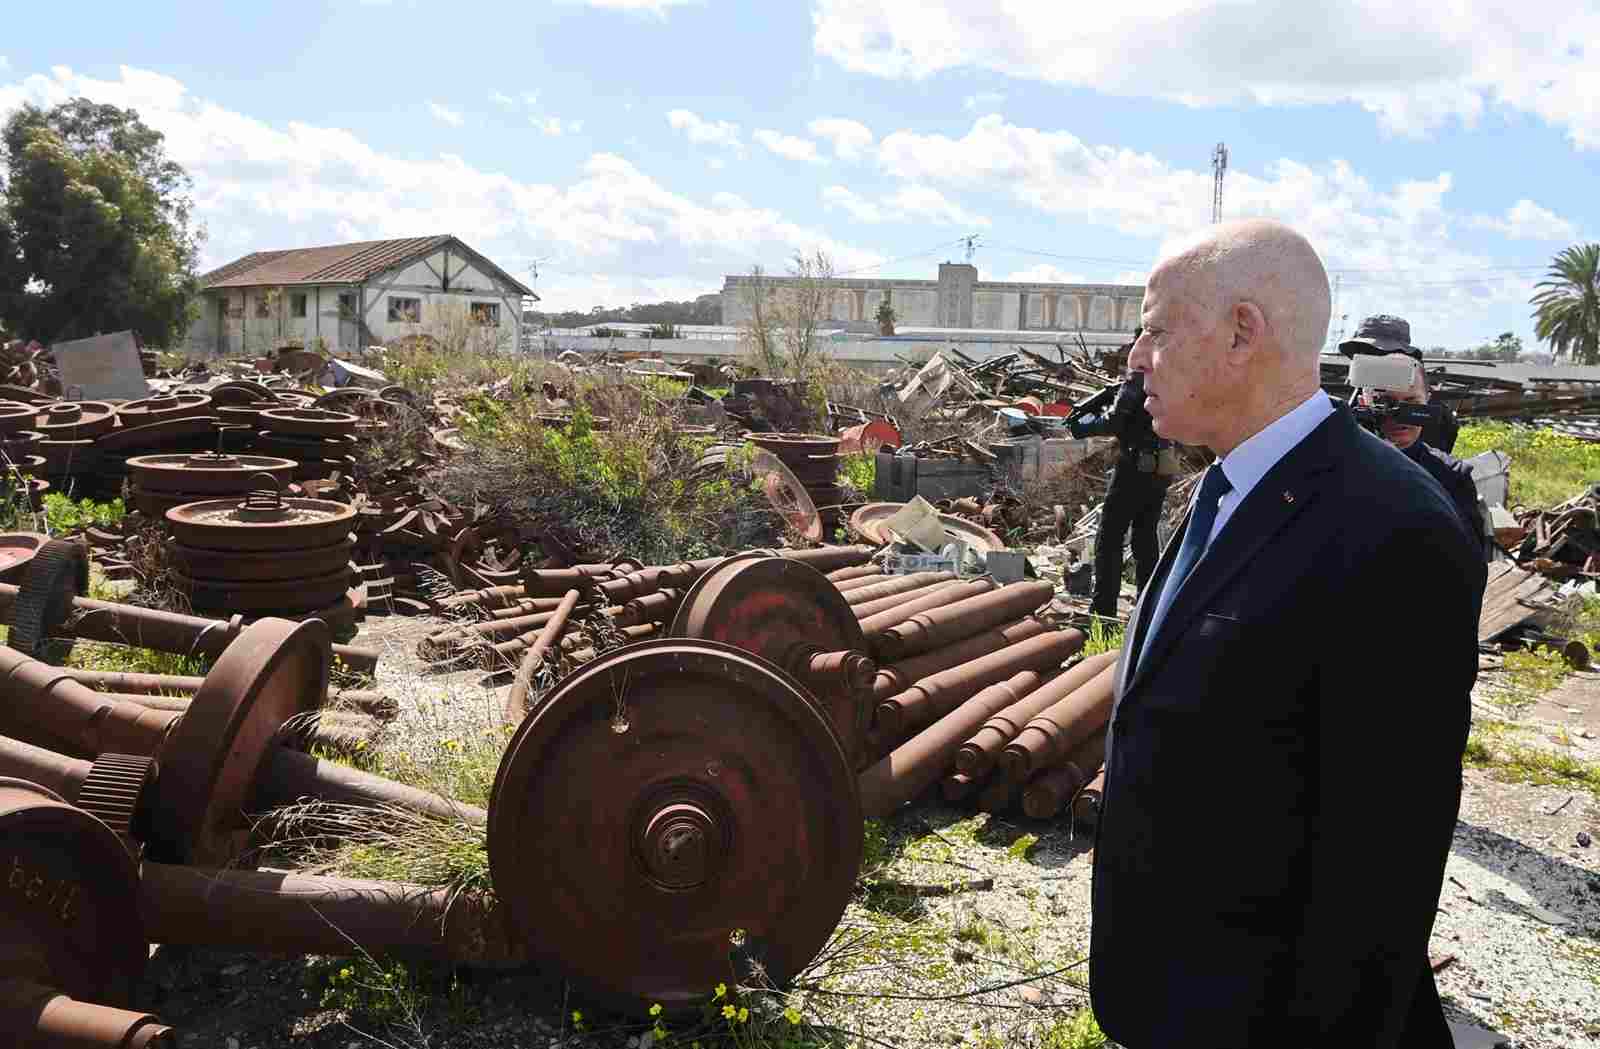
x: 978, y: 754
x: 45, y: 706
x: 553, y: 582
x: 649, y: 608
x: 143, y: 684
x: 516, y: 707
x: 840, y: 575
x: 1086, y: 806
x: 883, y: 604
x: 873, y: 626
x: 827, y: 672
x: 61, y: 774
x: 489, y: 598
x: 872, y: 589
x: 918, y: 763
x: 827, y: 558
x: 169, y: 631
x: 937, y: 695
x: 897, y: 677
x: 525, y: 606
x: 1052, y: 734
x: 288, y: 776
x: 43, y: 1018
x: 453, y: 642
x: 274, y: 913
x: 930, y: 629
x: 1046, y: 795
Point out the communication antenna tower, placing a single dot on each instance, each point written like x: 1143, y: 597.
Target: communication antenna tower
x: 1219, y: 167
x: 971, y: 241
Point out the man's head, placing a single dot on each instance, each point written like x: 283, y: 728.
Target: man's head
x: 1233, y: 323
x: 1398, y: 434
x: 1383, y: 333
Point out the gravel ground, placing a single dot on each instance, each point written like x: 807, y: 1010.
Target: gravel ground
x: 1520, y: 913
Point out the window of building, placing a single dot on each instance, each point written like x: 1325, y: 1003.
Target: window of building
x: 263, y: 306
x: 486, y: 313
x: 405, y: 311
x: 347, y: 305
x: 297, y: 305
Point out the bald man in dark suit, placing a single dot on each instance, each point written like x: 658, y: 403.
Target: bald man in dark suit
x: 1283, y: 769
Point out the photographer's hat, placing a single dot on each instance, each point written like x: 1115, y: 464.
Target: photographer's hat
x: 1381, y: 334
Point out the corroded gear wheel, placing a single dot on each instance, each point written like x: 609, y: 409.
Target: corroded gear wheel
x: 71, y: 916
x: 663, y: 799
x: 58, y: 573
x: 271, y: 672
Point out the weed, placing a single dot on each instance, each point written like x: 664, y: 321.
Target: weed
x: 1078, y: 1031
x: 1019, y: 849
x: 1547, y: 467
x: 1103, y: 636
x: 1525, y: 676
x: 1518, y: 763
x: 858, y: 473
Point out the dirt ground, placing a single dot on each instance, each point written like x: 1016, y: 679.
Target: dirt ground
x: 1519, y: 918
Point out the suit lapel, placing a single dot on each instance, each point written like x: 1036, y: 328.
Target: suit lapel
x: 1134, y: 637
x: 1286, y: 491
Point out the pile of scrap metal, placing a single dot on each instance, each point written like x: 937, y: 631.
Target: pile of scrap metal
x: 1471, y: 395
x: 952, y: 387
x: 1562, y: 542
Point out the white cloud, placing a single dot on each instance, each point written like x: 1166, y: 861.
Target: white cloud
x: 1414, y: 66
x: 658, y: 8
x: 860, y: 209
x: 555, y: 126
x: 448, y: 116
x: 922, y: 205
x: 850, y: 138
x: 1526, y: 220
x: 703, y: 132
x: 1393, y: 242
x: 530, y: 98
x: 5, y: 63
x: 607, y: 228
x: 789, y: 147
x: 500, y: 98
x: 983, y: 100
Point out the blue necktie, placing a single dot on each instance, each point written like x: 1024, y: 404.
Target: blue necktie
x: 1213, y: 487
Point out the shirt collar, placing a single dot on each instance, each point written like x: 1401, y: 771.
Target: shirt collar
x: 1247, y: 464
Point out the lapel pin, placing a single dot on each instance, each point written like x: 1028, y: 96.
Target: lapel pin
x: 1288, y: 496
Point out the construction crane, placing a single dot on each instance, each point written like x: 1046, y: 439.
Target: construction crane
x: 1219, y: 167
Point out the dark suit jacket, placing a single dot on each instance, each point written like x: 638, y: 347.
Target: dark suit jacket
x: 1284, y: 767
x: 1455, y: 477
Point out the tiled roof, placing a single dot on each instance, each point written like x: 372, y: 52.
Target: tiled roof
x: 336, y: 263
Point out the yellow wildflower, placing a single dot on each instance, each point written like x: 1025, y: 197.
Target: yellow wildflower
x: 722, y: 989
x: 744, y: 1014
x: 792, y: 1015
x: 655, y: 1010
x: 728, y: 1012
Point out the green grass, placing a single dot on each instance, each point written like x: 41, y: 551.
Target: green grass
x: 1491, y: 747
x: 1547, y: 468
x: 1103, y: 636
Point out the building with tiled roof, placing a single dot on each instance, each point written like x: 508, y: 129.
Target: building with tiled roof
x: 345, y: 297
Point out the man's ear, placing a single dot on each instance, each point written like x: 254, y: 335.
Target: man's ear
x: 1249, y: 330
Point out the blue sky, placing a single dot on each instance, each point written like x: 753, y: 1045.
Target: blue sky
x: 640, y: 149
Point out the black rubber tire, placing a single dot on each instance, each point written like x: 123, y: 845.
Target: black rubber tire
x: 58, y: 573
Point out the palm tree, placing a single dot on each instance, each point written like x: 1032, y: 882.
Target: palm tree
x: 1566, y: 306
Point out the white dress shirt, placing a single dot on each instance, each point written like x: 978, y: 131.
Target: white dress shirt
x: 1247, y: 464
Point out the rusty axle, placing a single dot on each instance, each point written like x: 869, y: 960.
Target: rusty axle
x: 1052, y: 734
x: 978, y: 755
x: 936, y: 695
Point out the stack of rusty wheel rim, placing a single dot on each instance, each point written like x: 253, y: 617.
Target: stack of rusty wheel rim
x: 813, y: 458
x: 264, y: 554
x: 69, y: 430
x: 23, y: 469
x: 321, y: 441
x: 172, y: 423
x: 161, y: 482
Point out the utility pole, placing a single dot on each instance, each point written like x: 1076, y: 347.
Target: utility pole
x: 1219, y: 167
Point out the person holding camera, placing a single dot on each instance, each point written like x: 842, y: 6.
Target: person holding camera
x: 1138, y: 491
x: 1383, y: 335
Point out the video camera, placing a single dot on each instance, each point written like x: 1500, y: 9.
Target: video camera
x: 1384, y: 378
x: 1089, y: 416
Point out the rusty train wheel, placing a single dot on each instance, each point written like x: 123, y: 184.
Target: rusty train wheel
x: 70, y: 918
x: 661, y: 800
x: 766, y: 605
x: 273, y: 671
x: 17, y: 551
